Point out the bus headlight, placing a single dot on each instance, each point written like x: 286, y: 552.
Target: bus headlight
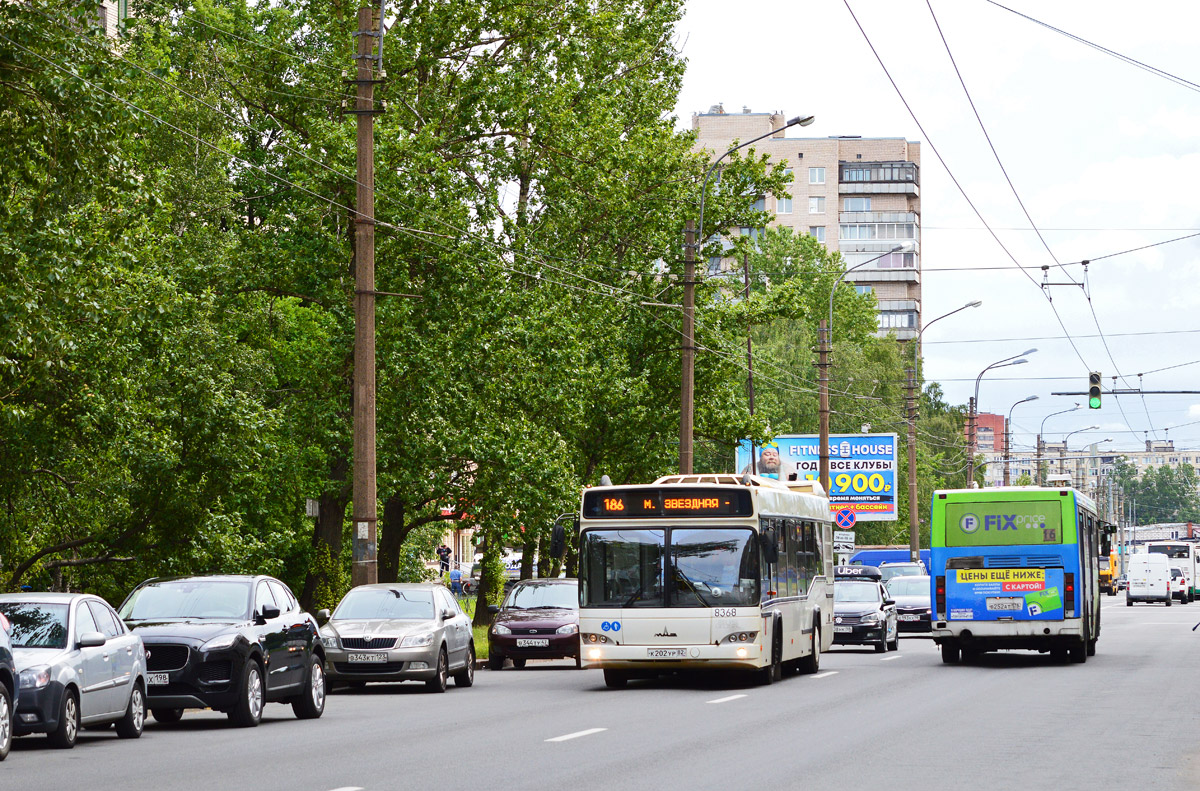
x: 742, y: 652
x: 740, y: 637
x: 590, y: 637
x: 594, y: 653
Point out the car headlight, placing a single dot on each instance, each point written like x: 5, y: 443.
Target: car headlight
x: 871, y: 617
x: 570, y: 628
x: 417, y: 640
x: 221, y: 641
x: 501, y: 629
x: 34, y: 677
x: 329, y: 642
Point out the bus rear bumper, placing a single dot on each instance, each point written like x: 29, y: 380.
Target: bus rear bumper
x: 990, y: 635
x: 744, y: 656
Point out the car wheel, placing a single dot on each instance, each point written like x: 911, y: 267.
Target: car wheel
x: 519, y: 664
x: 881, y: 646
x: 247, y: 711
x: 1168, y: 601
x: 616, y: 679
x: 466, y: 677
x: 579, y: 660
x: 1128, y: 601
x: 130, y: 726
x: 950, y: 653
x: 495, y: 661
x: 6, y: 722
x: 167, y: 716
x: 894, y: 645
x: 64, y: 736
x: 438, y: 682
x: 310, y: 704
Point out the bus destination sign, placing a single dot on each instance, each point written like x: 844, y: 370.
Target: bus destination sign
x: 665, y: 503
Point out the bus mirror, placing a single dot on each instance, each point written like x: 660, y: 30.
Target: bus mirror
x: 558, y: 540
x: 770, y: 545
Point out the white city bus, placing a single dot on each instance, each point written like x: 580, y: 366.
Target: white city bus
x: 705, y: 572
x: 1182, y: 554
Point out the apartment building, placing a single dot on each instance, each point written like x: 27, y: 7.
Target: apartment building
x: 110, y: 14
x: 1087, y: 465
x: 858, y: 196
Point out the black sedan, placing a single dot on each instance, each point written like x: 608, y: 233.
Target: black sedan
x: 913, y: 608
x: 864, y: 615
x: 229, y: 643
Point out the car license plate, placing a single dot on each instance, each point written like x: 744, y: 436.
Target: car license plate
x: 1005, y: 603
x: 666, y: 653
x: 376, y: 658
x: 909, y: 617
x: 158, y: 679
x: 843, y: 629
x: 533, y: 642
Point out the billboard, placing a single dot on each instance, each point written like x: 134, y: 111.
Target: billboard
x: 862, y: 469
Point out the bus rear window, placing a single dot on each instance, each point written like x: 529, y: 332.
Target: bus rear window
x: 1016, y: 523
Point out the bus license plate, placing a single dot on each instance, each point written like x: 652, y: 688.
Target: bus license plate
x: 1005, y: 603
x: 666, y: 653
x: 158, y: 679
x: 843, y: 629
x: 369, y: 658
x: 533, y: 642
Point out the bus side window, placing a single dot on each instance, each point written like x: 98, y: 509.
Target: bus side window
x: 765, y: 569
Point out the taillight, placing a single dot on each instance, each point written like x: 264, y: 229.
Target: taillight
x: 940, y: 597
x: 1069, y: 588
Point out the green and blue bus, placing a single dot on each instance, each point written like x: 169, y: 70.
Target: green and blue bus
x: 1015, y: 567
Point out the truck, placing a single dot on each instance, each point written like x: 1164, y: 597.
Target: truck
x: 1108, y: 573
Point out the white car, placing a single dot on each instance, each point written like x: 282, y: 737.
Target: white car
x: 1179, y: 585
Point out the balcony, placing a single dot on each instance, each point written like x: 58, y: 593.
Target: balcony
x: 878, y: 178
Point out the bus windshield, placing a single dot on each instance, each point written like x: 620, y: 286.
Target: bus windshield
x: 675, y: 567
x: 1171, y: 551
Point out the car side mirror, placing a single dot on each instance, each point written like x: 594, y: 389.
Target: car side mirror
x: 447, y: 614
x: 322, y: 617
x: 268, y: 612
x: 887, y: 602
x: 91, y: 640
x: 493, y: 608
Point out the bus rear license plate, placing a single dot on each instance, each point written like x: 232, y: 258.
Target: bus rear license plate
x: 666, y: 653
x: 909, y: 617
x: 843, y: 629
x: 157, y: 679
x: 369, y: 658
x: 533, y: 642
x: 1005, y: 604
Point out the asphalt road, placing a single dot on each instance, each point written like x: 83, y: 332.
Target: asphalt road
x: 1126, y: 719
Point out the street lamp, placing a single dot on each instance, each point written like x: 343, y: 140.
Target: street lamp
x: 1062, y: 452
x: 1008, y: 438
x: 688, y: 364
x: 974, y: 406
x: 1039, y: 479
x: 824, y: 345
x: 914, y: 527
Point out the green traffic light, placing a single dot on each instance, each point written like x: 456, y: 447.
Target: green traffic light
x: 1094, y: 402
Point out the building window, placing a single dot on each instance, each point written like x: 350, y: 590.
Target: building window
x: 877, y: 230
x: 816, y: 204
x: 856, y: 204
x: 783, y: 206
x: 787, y: 172
x: 897, y: 319
x: 864, y: 289
x: 816, y: 175
x: 817, y: 232
x: 760, y: 204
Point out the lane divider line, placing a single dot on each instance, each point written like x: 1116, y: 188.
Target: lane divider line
x: 727, y: 699
x: 349, y: 788
x: 890, y: 658
x: 576, y: 735
x: 826, y: 674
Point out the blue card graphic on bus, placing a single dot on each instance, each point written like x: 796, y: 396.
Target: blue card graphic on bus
x: 991, y: 594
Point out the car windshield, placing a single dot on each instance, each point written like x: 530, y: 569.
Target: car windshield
x: 397, y: 604
x: 1176, y: 574
x: 218, y: 599
x: 909, y: 586
x: 864, y: 592
x: 888, y: 572
x: 543, y: 597
x: 36, y: 624
x: 706, y: 567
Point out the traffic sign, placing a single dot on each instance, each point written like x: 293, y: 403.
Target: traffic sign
x: 845, y: 518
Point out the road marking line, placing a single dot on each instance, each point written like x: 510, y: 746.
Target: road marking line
x: 826, y: 674
x: 890, y: 658
x: 577, y: 734
x: 726, y: 700
x: 349, y: 788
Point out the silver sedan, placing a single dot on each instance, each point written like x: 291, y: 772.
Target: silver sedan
x: 399, y: 632
x: 78, y: 666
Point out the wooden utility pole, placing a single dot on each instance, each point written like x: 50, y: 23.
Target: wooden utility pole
x: 687, y: 387
x: 914, y: 543
x: 364, y: 569
x: 823, y: 399
x: 749, y: 351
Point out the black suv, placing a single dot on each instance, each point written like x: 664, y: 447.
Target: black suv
x: 230, y: 643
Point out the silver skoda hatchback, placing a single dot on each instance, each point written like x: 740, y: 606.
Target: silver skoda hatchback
x: 399, y: 632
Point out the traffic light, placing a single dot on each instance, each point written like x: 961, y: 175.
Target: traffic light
x: 1094, y: 390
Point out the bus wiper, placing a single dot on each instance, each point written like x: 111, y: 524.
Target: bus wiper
x: 692, y: 586
x: 634, y: 597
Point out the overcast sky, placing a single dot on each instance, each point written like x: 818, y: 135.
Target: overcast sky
x: 1102, y: 153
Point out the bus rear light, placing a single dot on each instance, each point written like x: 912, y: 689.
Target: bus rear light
x: 1069, y: 589
x: 940, y: 597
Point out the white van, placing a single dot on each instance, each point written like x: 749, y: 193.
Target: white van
x: 1149, y: 579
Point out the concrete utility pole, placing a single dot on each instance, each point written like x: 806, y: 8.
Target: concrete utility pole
x: 687, y: 387
x: 749, y: 352
x: 914, y: 547
x: 971, y: 442
x: 364, y: 569
x: 823, y: 401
